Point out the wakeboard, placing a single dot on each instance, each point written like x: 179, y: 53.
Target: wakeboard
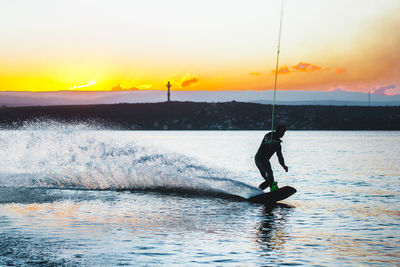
x: 273, y: 197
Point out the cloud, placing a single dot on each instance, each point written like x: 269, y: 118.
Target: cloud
x: 340, y: 70
x: 120, y: 88
x: 144, y: 86
x: 338, y: 89
x: 189, y: 80
x: 89, y: 83
x: 306, y: 67
x: 283, y: 70
x: 387, y: 90
x: 255, y: 73
x: 315, y: 68
x: 300, y: 67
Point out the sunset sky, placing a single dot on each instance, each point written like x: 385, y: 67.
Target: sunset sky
x: 48, y: 45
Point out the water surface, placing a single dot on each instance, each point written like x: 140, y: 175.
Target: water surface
x: 76, y: 196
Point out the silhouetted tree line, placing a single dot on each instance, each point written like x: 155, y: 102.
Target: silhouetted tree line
x: 208, y: 116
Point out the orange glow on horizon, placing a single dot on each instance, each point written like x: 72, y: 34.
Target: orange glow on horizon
x: 300, y: 76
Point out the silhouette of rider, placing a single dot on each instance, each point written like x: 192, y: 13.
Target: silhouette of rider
x: 270, y: 144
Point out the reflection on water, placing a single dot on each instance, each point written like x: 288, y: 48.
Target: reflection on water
x: 271, y: 234
x: 139, y: 225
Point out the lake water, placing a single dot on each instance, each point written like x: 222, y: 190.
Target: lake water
x: 71, y: 195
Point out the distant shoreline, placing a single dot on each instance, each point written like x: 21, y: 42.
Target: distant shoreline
x: 207, y: 116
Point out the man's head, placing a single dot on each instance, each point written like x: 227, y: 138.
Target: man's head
x: 280, y: 130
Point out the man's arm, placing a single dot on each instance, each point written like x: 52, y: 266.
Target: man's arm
x: 281, y: 160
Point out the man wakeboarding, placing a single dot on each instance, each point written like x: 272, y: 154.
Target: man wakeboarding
x: 270, y: 144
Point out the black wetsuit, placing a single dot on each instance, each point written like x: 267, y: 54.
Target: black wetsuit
x: 267, y: 148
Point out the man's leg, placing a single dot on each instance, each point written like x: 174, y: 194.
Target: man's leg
x: 263, y: 185
x: 266, y: 172
x: 273, y: 185
x: 270, y: 173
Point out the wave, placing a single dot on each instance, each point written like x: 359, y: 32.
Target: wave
x: 79, y: 158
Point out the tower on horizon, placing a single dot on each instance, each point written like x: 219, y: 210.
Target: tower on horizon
x: 369, y: 97
x: 169, y: 91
